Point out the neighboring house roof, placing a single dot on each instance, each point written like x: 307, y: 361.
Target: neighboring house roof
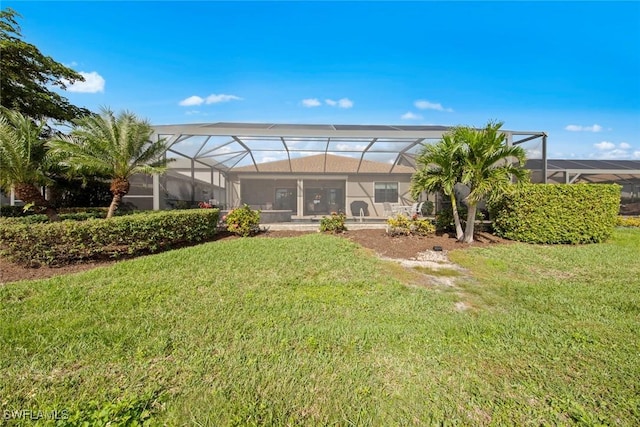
x: 621, y: 171
x: 326, y: 163
x: 620, y: 166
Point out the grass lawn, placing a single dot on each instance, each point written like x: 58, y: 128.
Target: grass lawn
x: 314, y: 330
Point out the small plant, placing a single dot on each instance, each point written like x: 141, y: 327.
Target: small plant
x: 403, y: 225
x: 333, y: 223
x: 243, y: 221
x: 129, y: 411
x: 182, y: 204
x: 427, y: 208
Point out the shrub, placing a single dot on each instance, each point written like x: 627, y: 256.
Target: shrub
x: 67, y: 214
x: 427, y: 208
x: 444, y: 218
x: 30, y: 215
x: 243, y: 221
x: 66, y: 242
x: 549, y: 213
x: 334, y: 223
x: 629, y: 221
x: 14, y: 211
x: 403, y: 225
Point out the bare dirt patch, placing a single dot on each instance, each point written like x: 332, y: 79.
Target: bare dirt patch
x: 398, y: 247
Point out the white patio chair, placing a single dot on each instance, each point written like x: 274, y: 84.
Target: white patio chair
x: 387, y: 209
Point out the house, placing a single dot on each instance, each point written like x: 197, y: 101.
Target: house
x: 319, y: 184
x: 303, y: 170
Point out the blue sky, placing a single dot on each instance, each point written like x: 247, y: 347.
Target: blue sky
x: 571, y: 69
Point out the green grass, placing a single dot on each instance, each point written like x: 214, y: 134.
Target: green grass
x: 312, y: 330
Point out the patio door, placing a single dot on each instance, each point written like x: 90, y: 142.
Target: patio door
x: 286, y: 199
x: 323, y: 200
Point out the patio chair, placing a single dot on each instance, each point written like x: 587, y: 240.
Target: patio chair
x: 418, y: 209
x: 387, y: 210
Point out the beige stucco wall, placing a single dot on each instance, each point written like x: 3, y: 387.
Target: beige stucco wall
x: 360, y: 188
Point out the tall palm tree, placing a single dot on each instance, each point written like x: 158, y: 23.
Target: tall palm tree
x: 25, y: 163
x: 489, y: 167
x: 113, y: 146
x: 440, y: 169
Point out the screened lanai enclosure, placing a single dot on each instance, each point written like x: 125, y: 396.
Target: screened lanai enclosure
x: 295, y: 171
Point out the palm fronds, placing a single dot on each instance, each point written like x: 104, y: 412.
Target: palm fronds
x: 23, y: 153
x: 112, y: 145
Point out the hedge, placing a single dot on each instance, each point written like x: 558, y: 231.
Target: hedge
x: 63, y: 213
x: 548, y: 213
x: 67, y: 242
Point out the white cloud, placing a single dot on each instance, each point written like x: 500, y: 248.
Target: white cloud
x: 609, y: 150
x: 311, y: 102
x: 268, y: 159
x: 211, y: 99
x: 192, y: 100
x: 411, y: 116
x: 93, y: 83
x: 427, y: 105
x: 605, y: 145
x: 578, y: 128
x: 215, y: 99
x: 534, y: 153
x: 612, y: 154
x: 347, y: 147
x: 345, y: 103
x: 341, y: 103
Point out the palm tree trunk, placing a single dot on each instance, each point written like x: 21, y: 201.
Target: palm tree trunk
x: 471, y: 221
x: 456, y: 215
x: 29, y: 193
x: 115, y: 202
x: 119, y: 188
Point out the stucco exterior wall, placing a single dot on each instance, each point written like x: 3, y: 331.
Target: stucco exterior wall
x: 360, y: 189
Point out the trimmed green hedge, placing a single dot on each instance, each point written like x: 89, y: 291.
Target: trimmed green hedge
x: 548, y: 213
x: 63, y: 213
x: 67, y: 242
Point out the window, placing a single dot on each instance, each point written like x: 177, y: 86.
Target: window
x: 386, y: 192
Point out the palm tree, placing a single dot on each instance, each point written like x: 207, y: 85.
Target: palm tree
x: 489, y: 167
x: 112, y: 146
x: 440, y: 169
x: 25, y: 163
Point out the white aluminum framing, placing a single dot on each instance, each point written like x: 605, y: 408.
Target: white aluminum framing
x: 224, y: 146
